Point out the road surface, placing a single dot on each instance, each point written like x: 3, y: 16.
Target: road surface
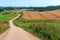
x: 16, y: 33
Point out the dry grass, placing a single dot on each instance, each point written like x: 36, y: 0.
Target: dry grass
x: 3, y: 26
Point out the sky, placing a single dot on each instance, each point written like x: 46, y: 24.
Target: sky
x: 29, y: 3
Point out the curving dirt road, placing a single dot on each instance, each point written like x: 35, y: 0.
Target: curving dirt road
x: 16, y: 33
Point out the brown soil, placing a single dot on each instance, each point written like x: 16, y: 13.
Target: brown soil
x: 47, y: 15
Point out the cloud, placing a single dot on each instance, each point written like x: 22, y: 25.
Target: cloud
x: 29, y: 2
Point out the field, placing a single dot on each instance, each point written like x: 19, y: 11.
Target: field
x: 45, y: 25
x: 5, y: 16
x: 47, y: 15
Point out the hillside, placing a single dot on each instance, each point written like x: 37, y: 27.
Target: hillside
x: 46, y: 15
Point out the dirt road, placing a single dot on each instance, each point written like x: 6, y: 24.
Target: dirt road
x: 16, y: 33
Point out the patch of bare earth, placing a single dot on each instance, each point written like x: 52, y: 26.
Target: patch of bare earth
x: 4, y: 34
x: 47, y: 15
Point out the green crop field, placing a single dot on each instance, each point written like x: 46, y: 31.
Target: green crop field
x: 45, y: 29
x: 5, y: 16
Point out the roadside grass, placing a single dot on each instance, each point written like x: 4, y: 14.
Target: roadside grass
x: 5, y: 16
x: 3, y: 26
x: 44, y: 29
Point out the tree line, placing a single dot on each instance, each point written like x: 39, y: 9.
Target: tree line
x: 48, y: 8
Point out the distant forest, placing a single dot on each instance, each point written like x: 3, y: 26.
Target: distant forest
x: 48, y: 8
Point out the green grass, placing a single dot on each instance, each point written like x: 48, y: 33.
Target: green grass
x: 5, y: 16
x: 45, y: 29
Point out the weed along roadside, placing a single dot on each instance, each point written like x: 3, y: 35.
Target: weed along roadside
x: 44, y: 29
x: 5, y: 16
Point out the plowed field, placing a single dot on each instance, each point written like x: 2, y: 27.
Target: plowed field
x: 47, y: 15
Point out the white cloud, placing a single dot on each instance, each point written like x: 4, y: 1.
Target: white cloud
x: 29, y: 2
